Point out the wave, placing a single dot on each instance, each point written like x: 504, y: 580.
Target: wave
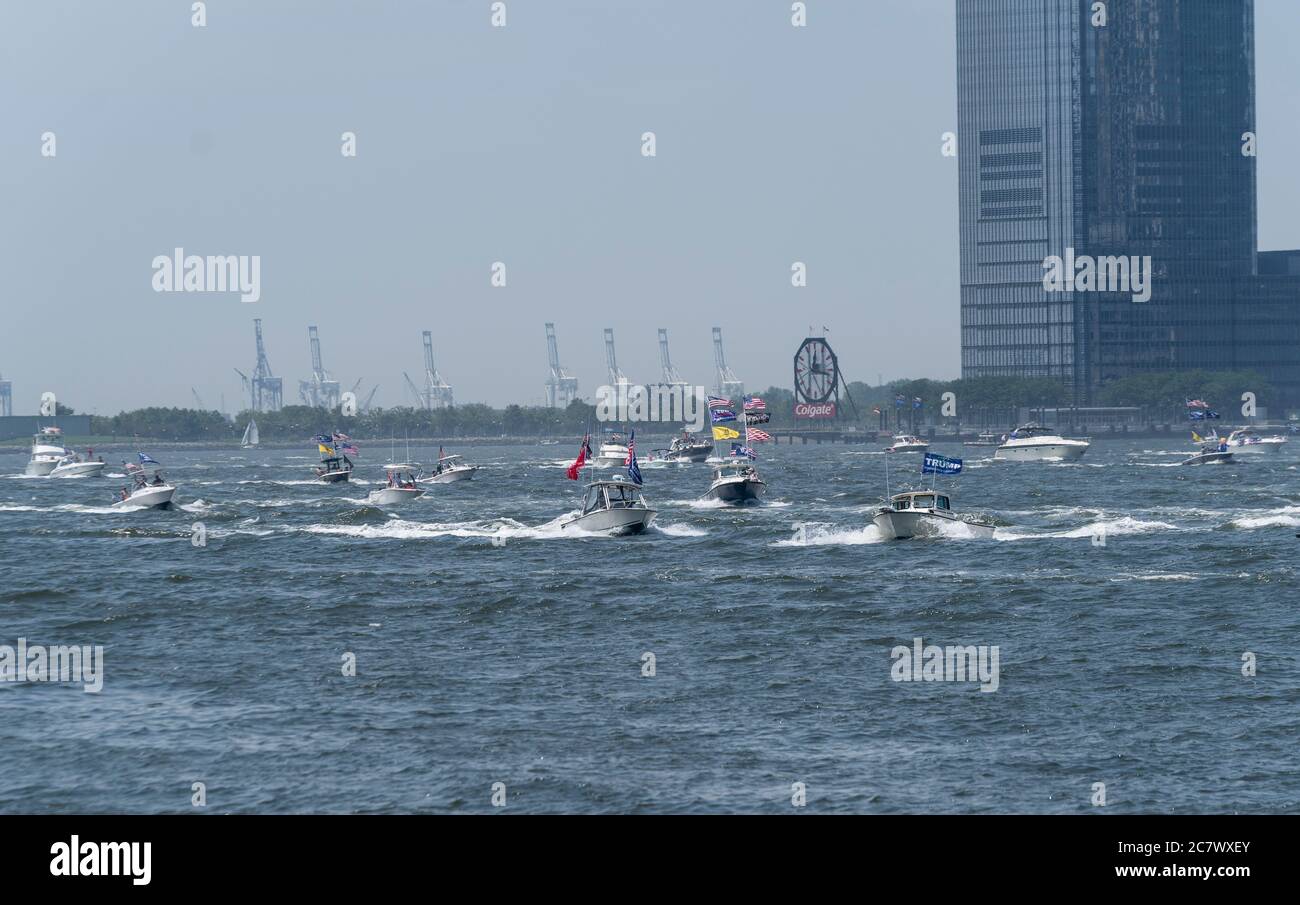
x: 1117, y: 527
x: 830, y: 536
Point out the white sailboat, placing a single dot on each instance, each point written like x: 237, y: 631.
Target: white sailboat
x: 251, y: 439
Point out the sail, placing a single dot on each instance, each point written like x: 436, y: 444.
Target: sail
x: 250, y: 434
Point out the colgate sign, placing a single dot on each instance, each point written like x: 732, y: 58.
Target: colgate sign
x: 814, y: 410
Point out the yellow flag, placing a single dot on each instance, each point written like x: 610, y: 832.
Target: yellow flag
x: 325, y: 450
x: 1197, y: 437
x: 725, y: 433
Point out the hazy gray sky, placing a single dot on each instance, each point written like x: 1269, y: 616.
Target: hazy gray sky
x: 479, y: 144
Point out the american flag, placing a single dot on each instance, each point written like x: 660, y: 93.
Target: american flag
x: 719, y: 402
x: 1197, y: 404
x: 758, y: 436
x: 349, y: 450
x: 755, y: 404
x: 340, y: 437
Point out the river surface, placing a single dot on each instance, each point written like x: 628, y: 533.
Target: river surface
x: 1121, y: 593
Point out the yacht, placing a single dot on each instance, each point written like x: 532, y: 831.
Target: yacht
x: 688, y: 449
x: 73, y: 466
x: 1032, y: 443
x: 333, y: 469
x: 1247, y: 439
x: 449, y: 470
x: 735, y: 481
x: 612, y: 505
x: 401, y: 486
x: 155, y: 494
x: 47, y: 451
x: 908, y: 443
x: 986, y: 438
x: 612, y: 453
x: 921, y: 513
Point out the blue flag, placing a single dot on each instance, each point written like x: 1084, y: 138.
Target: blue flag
x: 633, y: 470
x: 146, y: 460
x: 722, y: 416
x: 937, y: 464
x: 743, y: 452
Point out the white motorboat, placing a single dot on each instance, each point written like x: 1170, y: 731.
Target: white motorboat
x: 1248, y: 440
x: 73, y: 466
x: 449, y: 470
x: 924, y: 513
x: 687, y: 448
x: 736, y: 481
x: 612, y: 506
x: 401, y: 486
x: 155, y: 494
x: 986, y: 438
x: 908, y: 443
x: 1032, y: 443
x: 612, y: 453
x: 334, y: 469
x: 47, y: 451
x: 251, y: 437
x: 1211, y: 454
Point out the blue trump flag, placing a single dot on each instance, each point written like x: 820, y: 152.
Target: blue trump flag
x: 937, y: 464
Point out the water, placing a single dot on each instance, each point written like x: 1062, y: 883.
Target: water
x: 491, y: 648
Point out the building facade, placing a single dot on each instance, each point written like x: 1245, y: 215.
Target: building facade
x: 1112, y: 143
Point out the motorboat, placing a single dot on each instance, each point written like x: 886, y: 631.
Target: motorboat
x: 1032, y: 443
x: 736, y: 481
x: 612, y: 453
x: 1211, y: 454
x: 986, y: 438
x: 47, y: 452
x: 1248, y: 440
x: 333, y: 469
x: 687, y: 448
x: 401, y: 486
x: 73, y: 466
x: 924, y: 513
x: 251, y: 437
x: 451, y: 469
x: 906, y: 443
x: 155, y: 494
x: 613, y: 506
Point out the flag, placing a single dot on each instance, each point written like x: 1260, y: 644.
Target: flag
x: 760, y: 418
x: 341, y: 437
x: 349, y: 450
x: 937, y: 464
x: 739, y: 451
x: 875, y: 410
x: 916, y: 402
x: 721, y: 416
x: 898, y: 401
x: 758, y: 436
x: 324, y: 439
x: 1197, y: 404
x: 755, y: 404
x: 325, y: 450
x: 719, y: 402
x: 146, y: 460
x: 1196, y: 416
x: 584, y: 453
x: 1210, y: 414
x: 633, y: 470
x: 1197, y: 438
x: 725, y: 433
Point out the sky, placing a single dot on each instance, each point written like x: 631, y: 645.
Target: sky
x: 475, y: 145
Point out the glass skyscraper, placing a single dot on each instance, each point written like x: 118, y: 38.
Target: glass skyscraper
x: 1087, y: 140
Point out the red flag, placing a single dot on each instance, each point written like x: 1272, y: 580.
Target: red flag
x: 581, y: 460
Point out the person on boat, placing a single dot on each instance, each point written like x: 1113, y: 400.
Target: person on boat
x: 157, y: 478
x: 125, y: 494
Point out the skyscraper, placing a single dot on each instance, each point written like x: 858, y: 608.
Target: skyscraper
x: 1095, y: 136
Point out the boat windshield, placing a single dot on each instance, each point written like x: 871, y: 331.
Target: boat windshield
x: 925, y: 501
x: 943, y: 503
x: 903, y: 503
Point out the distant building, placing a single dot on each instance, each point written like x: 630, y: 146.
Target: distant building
x: 1096, y: 143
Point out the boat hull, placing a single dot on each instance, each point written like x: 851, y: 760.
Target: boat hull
x: 896, y: 525
x: 737, y: 491
x: 334, y: 477
x: 40, y: 467
x: 79, y: 470
x: 1214, y: 458
x: 612, y: 521
x: 148, y: 498
x: 394, y: 496
x: 452, y: 476
x: 1043, y: 452
x: 909, y: 448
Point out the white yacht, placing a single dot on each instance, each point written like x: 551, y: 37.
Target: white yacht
x: 155, y: 494
x: 1032, y: 443
x: 73, y: 466
x: 908, y: 443
x: 1248, y: 440
x: 47, y: 451
x: 986, y: 438
x: 735, y: 481
x: 612, y: 453
x: 449, y: 470
x: 922, y: 513
x: 614, y: 506
x: 401, y: 486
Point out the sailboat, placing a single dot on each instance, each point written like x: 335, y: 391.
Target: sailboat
x: 250, y: 440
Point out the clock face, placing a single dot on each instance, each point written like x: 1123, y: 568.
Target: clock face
x: 816, y: 371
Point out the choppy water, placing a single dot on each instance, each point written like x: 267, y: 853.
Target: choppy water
x: 490, y: 648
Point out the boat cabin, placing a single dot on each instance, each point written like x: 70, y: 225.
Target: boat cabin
x: 921, y: 499
x: 615, y: 494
